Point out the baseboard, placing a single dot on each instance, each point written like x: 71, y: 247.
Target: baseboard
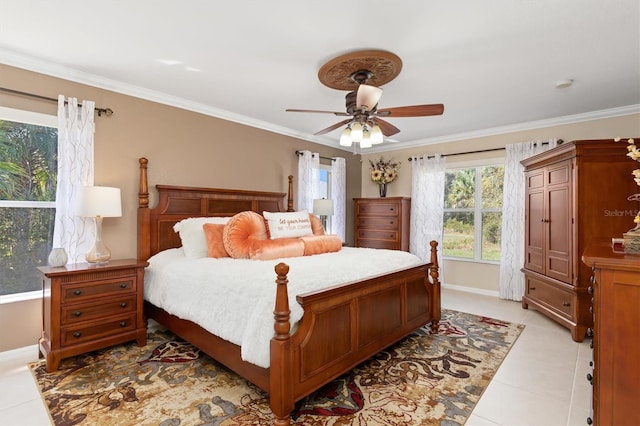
x: 492, y: 293
x: 30, y: 350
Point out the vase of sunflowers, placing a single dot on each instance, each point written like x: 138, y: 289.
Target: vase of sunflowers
x: 631, y: 242
x: 383, y: 172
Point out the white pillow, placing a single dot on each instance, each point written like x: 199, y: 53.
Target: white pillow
x: 288, y: 225
x: 194, y: 241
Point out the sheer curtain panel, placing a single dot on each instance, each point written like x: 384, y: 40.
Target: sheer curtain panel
x: 511, y: 285
x: 75, y: 169
x: 427, y: 205
x: 308, y: 179
x: 339, y: 196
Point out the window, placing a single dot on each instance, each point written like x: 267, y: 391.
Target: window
x: 325, y: 191
x: 28, y: 171
x: 473, y: 213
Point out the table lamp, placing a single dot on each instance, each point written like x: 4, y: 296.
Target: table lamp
x: 99, y: 202
x: 323, y: 208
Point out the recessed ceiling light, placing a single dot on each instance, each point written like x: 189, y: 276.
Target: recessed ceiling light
x: 563, y: 84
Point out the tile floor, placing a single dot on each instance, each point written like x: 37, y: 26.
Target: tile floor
x: 542, y: 381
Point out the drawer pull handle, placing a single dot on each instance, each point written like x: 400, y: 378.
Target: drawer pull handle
x: 591, y: 309
x: 77, y: 313
x: 590, y: 290
x: 531, y: 288
x: 123, y: 285
x: 590, y: 378
x: 566, y: 304
x: 589, y: 332
x: 592, y: 279
x: 77, y: 292
x: 589, y: 421
x: 123, y: 305
x: 123, y: 324
x: 77, y: 334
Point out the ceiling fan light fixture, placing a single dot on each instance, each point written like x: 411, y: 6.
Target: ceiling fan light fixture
x: 356, y: 132
x: 345, y: 138
x: 376, y: 135
x: 367, y: 97
x: 366, y: 140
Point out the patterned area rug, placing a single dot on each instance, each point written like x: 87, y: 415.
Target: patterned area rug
x: 426, y: 379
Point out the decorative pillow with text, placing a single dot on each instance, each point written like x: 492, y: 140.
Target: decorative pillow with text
x: 288, y: 225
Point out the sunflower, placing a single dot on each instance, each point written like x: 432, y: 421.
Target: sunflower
x: 376, y: 175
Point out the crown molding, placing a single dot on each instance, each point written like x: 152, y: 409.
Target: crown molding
x: 21, y: 61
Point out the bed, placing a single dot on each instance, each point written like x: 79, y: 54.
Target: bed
x: 340, y: 327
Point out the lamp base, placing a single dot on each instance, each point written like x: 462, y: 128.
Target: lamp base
x: 99, y: 253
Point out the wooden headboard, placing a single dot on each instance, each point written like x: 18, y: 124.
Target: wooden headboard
x: 155, y: 225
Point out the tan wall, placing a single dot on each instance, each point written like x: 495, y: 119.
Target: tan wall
x: 481, y: 276
x: 188, y: 148
x: 183, y: 148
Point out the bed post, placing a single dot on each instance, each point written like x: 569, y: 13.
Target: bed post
x: 435, y: 282
x: 144, y: 214
x: 280, y: 381
x: 290, y: 195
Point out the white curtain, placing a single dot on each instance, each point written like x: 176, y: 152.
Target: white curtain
x: 427, y: 205
x: 511, y: 285
x: 308, y: 179
x: 339, y: 197
x: 75, y: 169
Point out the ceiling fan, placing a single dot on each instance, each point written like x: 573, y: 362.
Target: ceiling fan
x: 365, y: 124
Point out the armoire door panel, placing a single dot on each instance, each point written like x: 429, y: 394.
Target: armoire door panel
x: 559, y: 228
x: 534, y: 233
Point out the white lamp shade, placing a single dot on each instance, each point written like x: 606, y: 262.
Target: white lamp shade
x: 323, y: 207
x: 345, y: 138
x: 100, y: 201
x: 367, y: 97
x: 376, y: 135
x: 366, y: 140
x: 356, y: 132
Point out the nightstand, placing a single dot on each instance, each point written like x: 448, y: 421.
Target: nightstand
x: 87, y: 307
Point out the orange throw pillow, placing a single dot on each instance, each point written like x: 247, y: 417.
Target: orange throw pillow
x: 318, y: 244
x: 241, y: 230
x: 316, y: 224
x: 276, y: 249
x: 213, y: 235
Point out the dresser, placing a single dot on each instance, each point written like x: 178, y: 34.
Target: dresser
x: 574, y: 193
x: 382, y: 222
x: 616, y: 335
x: 88, y: 307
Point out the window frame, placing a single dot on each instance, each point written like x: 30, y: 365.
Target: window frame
x: 37, y: 119
x: 477, y: 210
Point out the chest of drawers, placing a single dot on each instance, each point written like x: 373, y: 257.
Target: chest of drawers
x: 382, y: 222
x: 88, y: 307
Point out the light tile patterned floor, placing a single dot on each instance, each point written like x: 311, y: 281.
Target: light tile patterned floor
x: 542, y: 381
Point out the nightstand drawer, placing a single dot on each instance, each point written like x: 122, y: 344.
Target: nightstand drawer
x: 83, y: 312
x: 89, y: 332
x: 378, y: 209
x: 378, y: 222
x: 77, y: 292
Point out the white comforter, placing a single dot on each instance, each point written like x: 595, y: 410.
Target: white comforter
x: 234, y: 298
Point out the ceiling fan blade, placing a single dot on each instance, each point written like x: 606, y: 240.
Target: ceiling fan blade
x: 335, y: 126
x: 367, y: 97
x: 412, y: 111
x: 338, y: 113
x: 387, y: 128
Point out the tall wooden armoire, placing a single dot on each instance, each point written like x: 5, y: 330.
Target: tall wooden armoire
x: 574, y: 193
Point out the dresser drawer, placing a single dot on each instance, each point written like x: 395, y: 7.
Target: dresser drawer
x: 89, y: 290
x: 378, y: 244
x: 78, y: 334
x: 378, y: 235
x: 378, y: 209
x: 390, y: 222
x: 88, y: 311
x: 554, y: 298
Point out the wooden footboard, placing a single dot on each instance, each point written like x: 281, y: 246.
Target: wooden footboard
x: 343, y: 326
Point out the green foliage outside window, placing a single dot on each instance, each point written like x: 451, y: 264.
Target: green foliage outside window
x: 28, y: 172
x: 473, y: 213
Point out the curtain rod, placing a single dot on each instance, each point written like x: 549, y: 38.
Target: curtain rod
x: 106, y: 111
x: 299, y: 153
x: 475, y: 152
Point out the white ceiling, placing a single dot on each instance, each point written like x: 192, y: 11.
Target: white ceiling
x: 492, y: 63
